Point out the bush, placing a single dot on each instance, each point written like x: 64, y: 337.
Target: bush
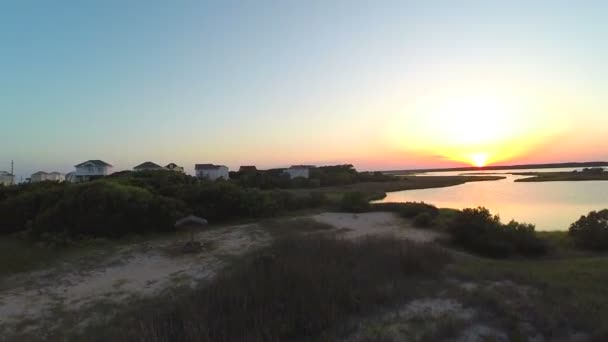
x: 423, y: 220
x: 407, y: 209
x: 293, y: 290
x: 22, y: 206
x: 106, y: 209
x: 317, y: 199
x: 354, y: 202
x: 591, y: 231
x: 478, y: 231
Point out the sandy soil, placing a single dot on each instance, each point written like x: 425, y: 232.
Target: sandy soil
x: 71, y: 295
x: 376, y: 223
x: 38, y: 302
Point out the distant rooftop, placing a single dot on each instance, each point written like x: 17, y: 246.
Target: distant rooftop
x: 96, y: 162
x: 207, y: 166
x: 148, y: 165
x: 302, y: 166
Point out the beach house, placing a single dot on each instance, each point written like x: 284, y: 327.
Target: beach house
x: 91, y: 169
x: 148, y: 166
x: 174, y: 167
x: 6, y: 178
x: 42, y: 176
x: 298, y: 171
x: 211, y: 172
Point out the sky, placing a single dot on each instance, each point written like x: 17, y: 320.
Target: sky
x: 380, y: 84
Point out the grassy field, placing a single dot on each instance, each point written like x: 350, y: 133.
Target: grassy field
x: 561, y: 176
x: 571, y: 290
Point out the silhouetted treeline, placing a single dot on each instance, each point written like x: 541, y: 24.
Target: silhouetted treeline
x: 134, y: 202
x: 319, y: 177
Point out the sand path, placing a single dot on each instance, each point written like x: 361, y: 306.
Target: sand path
x: 376, y: 223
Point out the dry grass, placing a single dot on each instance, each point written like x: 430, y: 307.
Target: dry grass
x: 297, y: 288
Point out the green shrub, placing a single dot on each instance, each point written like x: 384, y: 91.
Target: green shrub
x: 591, y: 231
x: 478, y: 231
x: 354, y: 202
x: 26, y: 202
x: 317, y: 199
x: 107, y: 209
x: 407, y: 209
x: 423, y: 220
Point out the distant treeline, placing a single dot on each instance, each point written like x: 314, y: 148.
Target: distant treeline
x: 319, y: 177
x: 148, y: 201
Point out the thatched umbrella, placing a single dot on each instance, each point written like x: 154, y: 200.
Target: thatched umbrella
x: 190, y: 224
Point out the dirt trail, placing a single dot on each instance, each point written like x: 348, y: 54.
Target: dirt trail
x: 376, y: 223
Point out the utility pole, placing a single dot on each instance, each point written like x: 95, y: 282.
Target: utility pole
x: 13, y: 171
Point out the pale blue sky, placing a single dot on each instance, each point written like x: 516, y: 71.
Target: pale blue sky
x: 276, y: 82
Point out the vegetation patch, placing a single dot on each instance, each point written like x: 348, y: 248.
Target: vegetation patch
x: 478, y: 231
x: 296, y: 288
x: 591, y: 231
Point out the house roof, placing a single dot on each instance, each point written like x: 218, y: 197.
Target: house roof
x: 4, y: 173
x: 207, y: 166
x: 96, y: 162
x: 248, y: 168
x: 148, y: 165
x: 40, y: 173
x: 302, y: 166
x: 172, y: 166
x: 56, y: 173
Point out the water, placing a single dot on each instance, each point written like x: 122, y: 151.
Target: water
x: 548, y: 205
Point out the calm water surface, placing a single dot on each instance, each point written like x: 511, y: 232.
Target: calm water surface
x: 548, y: 205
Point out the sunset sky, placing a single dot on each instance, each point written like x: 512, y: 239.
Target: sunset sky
x: 380, y: 84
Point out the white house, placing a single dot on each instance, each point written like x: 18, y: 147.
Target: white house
x: 39, y: 176
x: 91, y: 168
x: 298, y: 171
x: 6, y: 178
x: 56, y: 176
x: 174, y: 167
x: 211, y: 172
x: 42, y: 176
x: 147, y: 166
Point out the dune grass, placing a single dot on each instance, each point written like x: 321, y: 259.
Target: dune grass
x: 298, y: 288
x: 572, y: 289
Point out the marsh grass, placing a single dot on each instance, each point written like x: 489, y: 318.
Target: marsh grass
x: 295, y: 289
x: 571, y: 291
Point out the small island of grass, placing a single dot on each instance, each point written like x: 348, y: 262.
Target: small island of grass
x: 587, y: 174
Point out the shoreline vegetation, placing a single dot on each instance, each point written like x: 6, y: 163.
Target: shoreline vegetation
x: 587, y: 174
x: 377, y: 190
x: 268, y: 253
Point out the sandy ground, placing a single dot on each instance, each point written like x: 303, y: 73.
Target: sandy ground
x: 69, y: 296
x: 376, y: 223
x: 36, y: 303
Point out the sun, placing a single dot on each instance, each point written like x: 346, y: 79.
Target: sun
x: 479, y: 159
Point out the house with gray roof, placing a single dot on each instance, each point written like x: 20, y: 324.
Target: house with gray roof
x: 147, y: 166
x: 91, y: 169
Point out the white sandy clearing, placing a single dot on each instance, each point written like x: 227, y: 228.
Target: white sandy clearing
x: 36, y: 302
x: 376, y: 223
